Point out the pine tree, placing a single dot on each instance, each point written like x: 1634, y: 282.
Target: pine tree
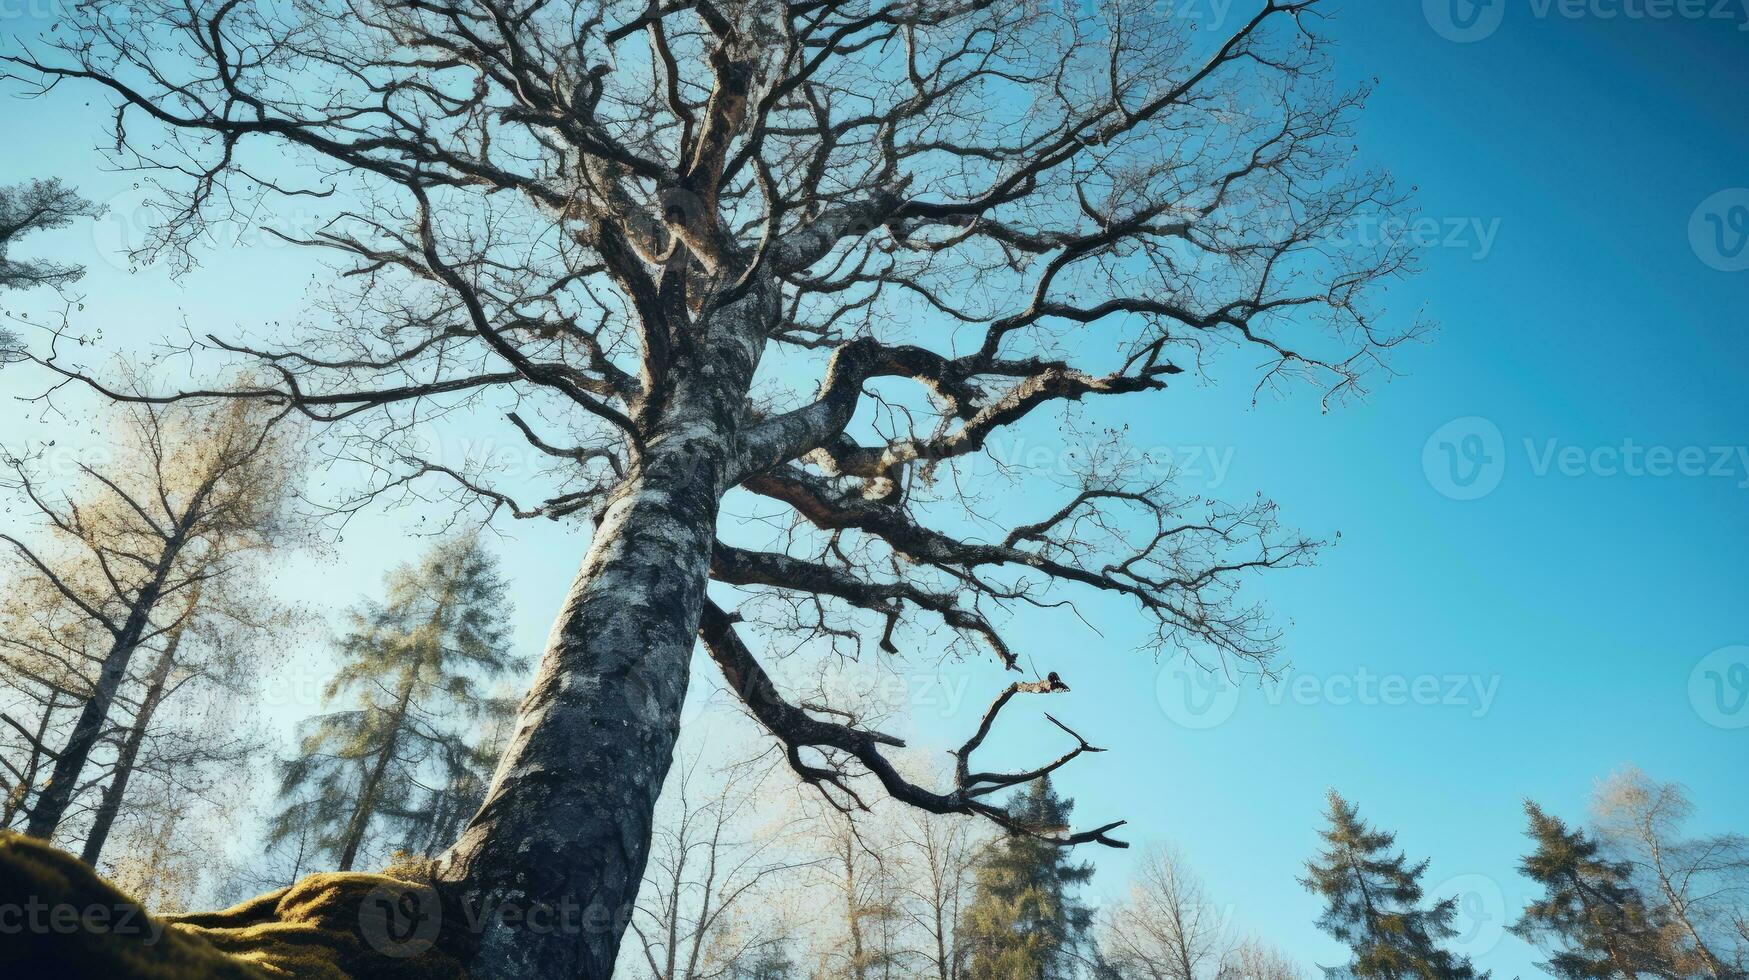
x: 1024, y: 921
x: 1590, y: 913
x: 411, y: 667
x: 1374, y: 904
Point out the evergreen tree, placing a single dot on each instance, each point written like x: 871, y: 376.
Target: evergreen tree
x: 1024, y: 921
x: 772, y: 963
x: 1374, y: 904
x: 398, y: 761
x: 1590, y: 914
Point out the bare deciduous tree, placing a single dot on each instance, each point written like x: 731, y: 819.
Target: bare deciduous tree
x: 938, y: 857
x: 197, y: 492
x: 1698, y: 886
x: 1255, y: 960
x: 710, y: 866
x: 1169, y: 928
x: 601, y: 219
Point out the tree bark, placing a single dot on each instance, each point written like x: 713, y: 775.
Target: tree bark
x: 548, y: 870
x: 113, y: 794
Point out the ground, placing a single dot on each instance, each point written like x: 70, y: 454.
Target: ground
x: 74, y: 924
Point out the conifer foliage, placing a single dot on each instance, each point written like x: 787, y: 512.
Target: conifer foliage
x: 1590, y: 915
x: 395, y: 766
x: 1025, y: 921
x: 1374, y: 904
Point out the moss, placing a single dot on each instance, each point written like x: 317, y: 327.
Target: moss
x: 59, y: 918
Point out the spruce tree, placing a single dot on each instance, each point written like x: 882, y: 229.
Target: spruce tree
x: 396, y: 766
x: 1590, y: 915
x: 1024, y: 921
x: 1374, y: 904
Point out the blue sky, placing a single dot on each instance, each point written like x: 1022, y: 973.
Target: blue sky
x: 1561, y: 163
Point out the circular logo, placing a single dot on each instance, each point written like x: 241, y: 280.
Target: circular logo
x: 1465, y: 458
x: 1195, y: 698
x: 645, y: 697
x: 1718, y: 230
x: 1464, y: 21
x: 1718, y: 688
x: 1480, y: 907
x: 400, y: 920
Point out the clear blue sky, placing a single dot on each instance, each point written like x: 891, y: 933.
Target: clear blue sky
x: 1560, y: 161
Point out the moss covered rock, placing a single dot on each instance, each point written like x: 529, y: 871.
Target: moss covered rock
x: 58, y: 918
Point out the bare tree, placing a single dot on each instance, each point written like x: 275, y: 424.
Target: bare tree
x: 1169, y: 928
x: 599, y: 219
x: 863, y: 888
x: 197, y: 493
x: 1256, y: 960
x: 938, y: 855
x: 33, y: 206
x: 710, y: 867
x: 1699, y: 886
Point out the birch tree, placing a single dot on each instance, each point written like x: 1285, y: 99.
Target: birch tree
x: 939, y: 860
x: 196, y: 492
x: 1169, y: 928
x: 1697, y: 886
x: 593, y: 223
x: 712, y: 865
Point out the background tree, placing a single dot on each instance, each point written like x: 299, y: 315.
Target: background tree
x: 1256, y: 960
x: 1025, y: 921
x: 1169, y: 928
x: 33, y: 206
x: 411, y: 675
x: 939, y: 856
x: 1698, y: 886
x: 597, y: 220
x: 1373, y: 903
x: 709, y: 869
x: 863, y: 885
x: 195, y: 493
x: 1590, y: 915
x: 773, y: 963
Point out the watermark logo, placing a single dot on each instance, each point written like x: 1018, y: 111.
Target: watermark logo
x: 1194, y: 698
x: 1465, y: 459
x: 400, y: 920
x: 1481, y: 917
x: 38, y: 917
x: 1718, y: 230
x: 1467, y: 21
x: 1197, y: 699
x: 1718, y: 688
x: 1464, y: 21
x: 43, y: 10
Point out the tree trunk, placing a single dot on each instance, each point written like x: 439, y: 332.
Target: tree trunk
x: 130, y: 750
x: 373, y: 781
x: 852, y: 914
x: 548, y: 870
x: 51, y: 806
x: 38, y: 753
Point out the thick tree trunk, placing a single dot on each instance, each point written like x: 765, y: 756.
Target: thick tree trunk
x: 110, y: 806
x: 549, y: 868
